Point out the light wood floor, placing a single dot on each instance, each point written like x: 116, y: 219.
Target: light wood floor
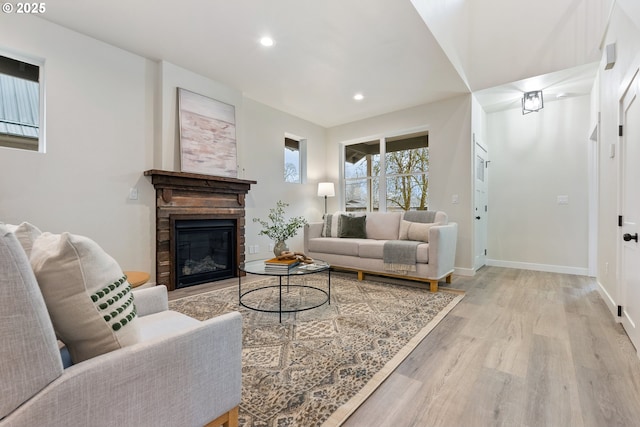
x: 522, y: 348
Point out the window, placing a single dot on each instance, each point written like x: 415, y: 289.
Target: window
x: 294, y: 159
x: 20, y: 105
x: 394, y: 170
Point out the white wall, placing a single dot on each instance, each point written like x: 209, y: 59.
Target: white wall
x: 264, y: 162
x: 260, y: 132
x: 611, y: 83
x: 450, y: 148
x: 534, y: 159
x: 111, y: 115
x: 99, y: 135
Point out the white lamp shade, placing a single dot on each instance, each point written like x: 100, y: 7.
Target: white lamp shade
x: 325, y: 189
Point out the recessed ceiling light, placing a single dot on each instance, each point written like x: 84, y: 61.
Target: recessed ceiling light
x: 358, y: 97
x: 266, y: 41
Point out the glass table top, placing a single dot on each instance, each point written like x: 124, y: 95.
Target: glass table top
x: 259, y: 267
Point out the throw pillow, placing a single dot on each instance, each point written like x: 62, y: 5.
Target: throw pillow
x: 415, y: 230
x: 86, y: 293
x: 331, y: 225
x: 26, y: 234
x: 328, y: 229
x: 353, y: 226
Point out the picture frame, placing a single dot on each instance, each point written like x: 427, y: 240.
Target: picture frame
x: 207, y: 135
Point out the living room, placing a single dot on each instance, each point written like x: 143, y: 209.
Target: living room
x: 112, y: 114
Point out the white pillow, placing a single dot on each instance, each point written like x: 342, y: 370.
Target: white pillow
x: 87, y: 295
x: 415, y: 230
x: 26, y: 234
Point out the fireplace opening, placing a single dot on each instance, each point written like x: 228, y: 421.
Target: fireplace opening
x: 204, y: 251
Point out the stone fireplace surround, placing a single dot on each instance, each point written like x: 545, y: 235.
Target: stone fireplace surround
x: 180, y: 196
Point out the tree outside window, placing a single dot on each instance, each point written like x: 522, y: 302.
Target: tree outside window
x: 291, y: 160
x: 405, y: 174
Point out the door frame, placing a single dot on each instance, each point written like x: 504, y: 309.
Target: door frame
x: 477, y: 145
x: 632, y: 78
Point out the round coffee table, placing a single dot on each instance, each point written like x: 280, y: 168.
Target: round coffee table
x: 259, y: 268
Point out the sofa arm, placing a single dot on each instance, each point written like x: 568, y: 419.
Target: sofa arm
x: 442, y: 250
x: 183, y: 379
x: 151, y: 300
x: 311, y: 231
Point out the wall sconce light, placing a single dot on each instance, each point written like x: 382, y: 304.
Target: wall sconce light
x: 532, y: 101
x: 326, y: 189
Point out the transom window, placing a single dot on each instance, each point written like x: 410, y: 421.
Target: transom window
x: 389, y: 174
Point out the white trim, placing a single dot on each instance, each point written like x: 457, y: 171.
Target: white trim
x: 611, y: 304
x: 467, y: 272
x: 549, y: 268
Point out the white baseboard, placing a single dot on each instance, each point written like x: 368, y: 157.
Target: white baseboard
x: 609, y: 301
x: 549, y: 268
x: 468, y: 272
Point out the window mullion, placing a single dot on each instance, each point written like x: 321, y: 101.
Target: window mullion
x: 382, y: 178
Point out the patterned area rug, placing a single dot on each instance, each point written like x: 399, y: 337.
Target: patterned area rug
x: 318, y: 365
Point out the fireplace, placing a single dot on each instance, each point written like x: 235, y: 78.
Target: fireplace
x: 188, y: 200
x: 204, y: 251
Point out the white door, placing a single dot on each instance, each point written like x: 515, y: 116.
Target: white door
x: 481, y: 206
x: 630, y: 211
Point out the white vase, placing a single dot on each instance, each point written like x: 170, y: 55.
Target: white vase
x: 279, y: 247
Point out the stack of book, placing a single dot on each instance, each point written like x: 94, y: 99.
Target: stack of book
x: 280, y: 265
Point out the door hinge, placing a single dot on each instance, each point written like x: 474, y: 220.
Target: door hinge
x: 485, y: 252
x: 619, y: 311
x: 620, y: 130
x: 619, y: 220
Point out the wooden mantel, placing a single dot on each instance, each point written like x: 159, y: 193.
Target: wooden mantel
x: 181, y: 195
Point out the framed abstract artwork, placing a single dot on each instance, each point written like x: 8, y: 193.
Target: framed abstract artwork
x: 207, y: 135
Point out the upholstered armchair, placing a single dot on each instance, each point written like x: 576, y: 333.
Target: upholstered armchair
x: 179, y: 372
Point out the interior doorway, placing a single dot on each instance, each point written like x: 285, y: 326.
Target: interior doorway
x: 481, y: 204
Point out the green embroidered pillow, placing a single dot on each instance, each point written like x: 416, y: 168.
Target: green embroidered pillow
x: 87, y: 295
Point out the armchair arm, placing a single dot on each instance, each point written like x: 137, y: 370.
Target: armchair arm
x: 186, y: 379
x: 151, y: 300
x: 442, y: 250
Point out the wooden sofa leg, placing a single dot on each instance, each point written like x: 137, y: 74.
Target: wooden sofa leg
x: 448, y: 278
x: 360, y: 275
x: 228, y: 419
x: 433, y: 285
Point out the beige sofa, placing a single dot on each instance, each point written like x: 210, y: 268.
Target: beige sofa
x: 180, y: 372
x: 433, y: 238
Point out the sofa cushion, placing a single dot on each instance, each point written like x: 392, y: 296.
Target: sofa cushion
x: 422, y: 255
x: 26, y: 234
x: 415, y: 231
x: 87, y: 294
x: 383, y: 225
x: 371, y: 248
x: 335, y: 245
x: 353, y: 226
x: 29, y: 350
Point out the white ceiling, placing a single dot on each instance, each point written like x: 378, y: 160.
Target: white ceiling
x: 398, y: 53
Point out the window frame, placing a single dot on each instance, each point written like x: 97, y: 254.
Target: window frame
x: 302, y: 158
x: 382, y: 176
x: 14, y: 143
